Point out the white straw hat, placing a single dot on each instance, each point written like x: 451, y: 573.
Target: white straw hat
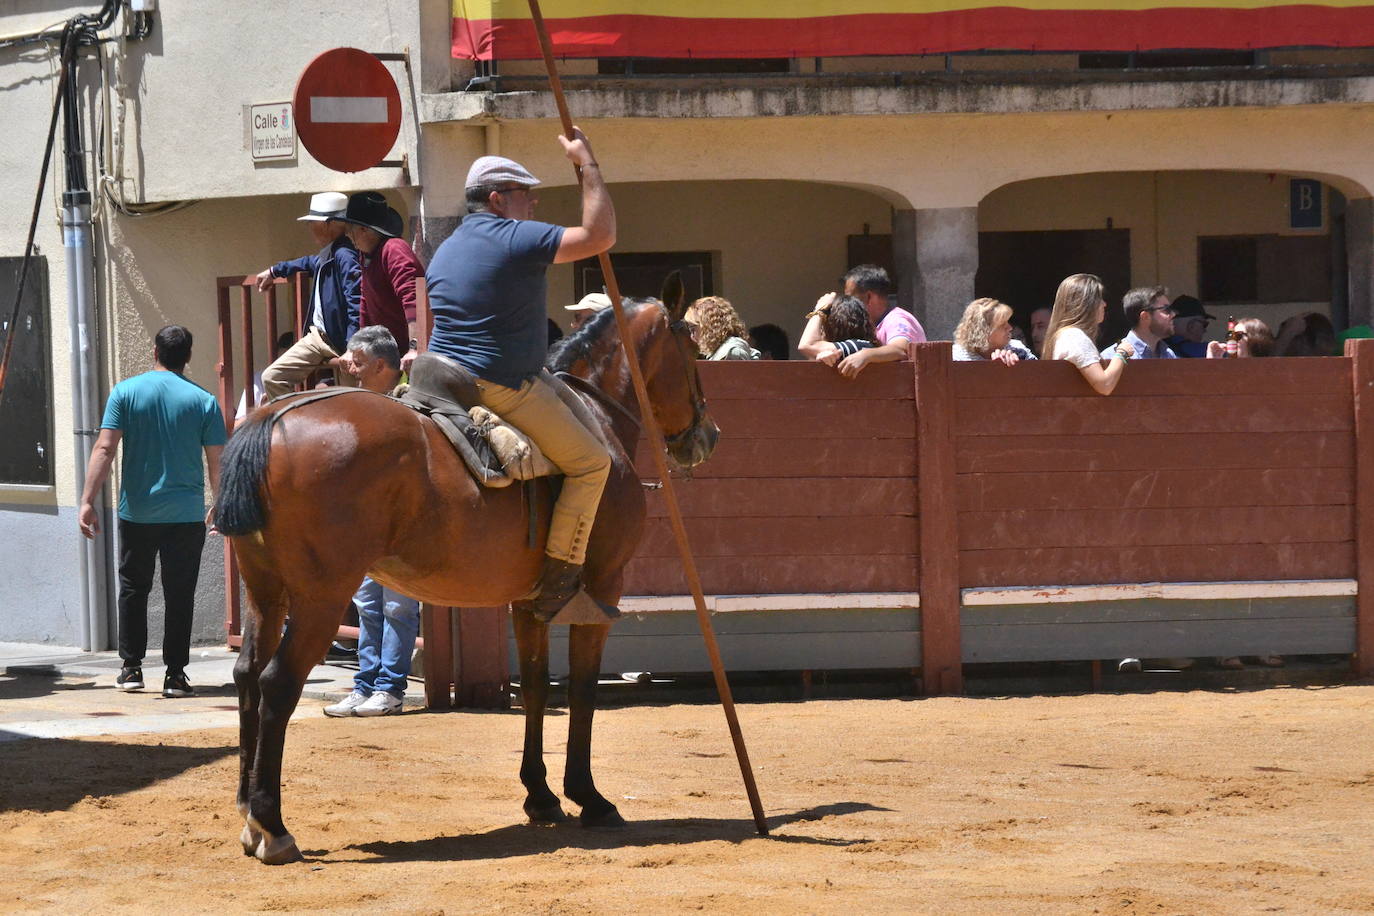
x: 326, y: 205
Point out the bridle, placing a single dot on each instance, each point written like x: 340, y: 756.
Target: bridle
x: 677, y: 329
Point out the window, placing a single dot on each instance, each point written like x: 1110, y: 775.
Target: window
x: 26, y: 406
x: 1264, y: 268
x: 641, y: 274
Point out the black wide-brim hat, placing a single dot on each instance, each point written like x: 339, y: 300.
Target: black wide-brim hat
x: 370, y: 209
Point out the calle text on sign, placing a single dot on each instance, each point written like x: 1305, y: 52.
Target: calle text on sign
x: 272, y: 131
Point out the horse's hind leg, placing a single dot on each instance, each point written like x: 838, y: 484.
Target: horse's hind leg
x: 261, y: 633
x: 280, y: 684
x: 585, y: 644
x: 532, y: 640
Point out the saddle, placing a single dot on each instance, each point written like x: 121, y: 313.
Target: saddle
x: 495, y: 452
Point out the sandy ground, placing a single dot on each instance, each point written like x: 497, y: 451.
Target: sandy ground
x: 1200, y: 802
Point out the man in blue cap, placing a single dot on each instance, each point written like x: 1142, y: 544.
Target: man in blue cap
x: 488, y: 292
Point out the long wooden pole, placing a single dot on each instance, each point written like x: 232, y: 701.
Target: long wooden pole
x: 660, y: 451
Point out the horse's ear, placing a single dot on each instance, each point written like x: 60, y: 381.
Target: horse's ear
x: 674, y: 296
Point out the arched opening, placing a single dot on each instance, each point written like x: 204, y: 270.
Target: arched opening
x: 1262, y: 244
x: 770, y: 247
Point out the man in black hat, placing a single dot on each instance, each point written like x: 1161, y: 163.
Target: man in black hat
x: 1190, y: 326
x: 390, y: 269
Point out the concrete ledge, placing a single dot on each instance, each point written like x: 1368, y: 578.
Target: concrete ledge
x: 905, y: 94
x: 1169, y: 591
x: 721, y: 604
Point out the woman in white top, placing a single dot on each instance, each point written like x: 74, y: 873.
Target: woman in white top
x: 1078, y: 309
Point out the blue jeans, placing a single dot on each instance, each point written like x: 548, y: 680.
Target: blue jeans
x: 388, y: 623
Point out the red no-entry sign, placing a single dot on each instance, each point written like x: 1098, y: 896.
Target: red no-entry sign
x: 348, y: 110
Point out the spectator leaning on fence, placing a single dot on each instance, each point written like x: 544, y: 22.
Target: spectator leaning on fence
x: 985, y: 333
x: 895, y: 328
x: 718, y: 331
x: 846, y: 324
x: 390, y: 270
x: 1078, y: 310
x: 1151, y: 319
x: 1189, y: 325
x: 1308, y: 334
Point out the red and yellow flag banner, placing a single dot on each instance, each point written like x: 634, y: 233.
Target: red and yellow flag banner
x: 502, y: 29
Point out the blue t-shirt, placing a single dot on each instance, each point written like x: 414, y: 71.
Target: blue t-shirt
x: 487, y: 292
x: 165, y: 419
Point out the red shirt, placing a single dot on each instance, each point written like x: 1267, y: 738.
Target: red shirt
x: 389, y: 277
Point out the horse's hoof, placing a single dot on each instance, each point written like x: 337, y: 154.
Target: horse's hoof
x: 250, y: 839
x: 608, y: 818
x: 549, y: 814
x: 280, y: 850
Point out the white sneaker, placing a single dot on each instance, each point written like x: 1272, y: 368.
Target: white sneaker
x: 380, y: 703
x: 346, y: 706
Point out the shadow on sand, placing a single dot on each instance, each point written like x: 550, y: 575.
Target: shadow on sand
x: 53, y: 774
x: 525, y: 840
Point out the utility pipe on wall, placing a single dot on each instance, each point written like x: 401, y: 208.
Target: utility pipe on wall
x: 81, y: 327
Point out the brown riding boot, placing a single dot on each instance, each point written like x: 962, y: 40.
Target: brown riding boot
x: 558, y: 582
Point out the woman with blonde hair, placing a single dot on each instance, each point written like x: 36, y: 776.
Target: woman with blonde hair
x: 718, y: 331
x: 1078, y: 309
x: 984, y: 333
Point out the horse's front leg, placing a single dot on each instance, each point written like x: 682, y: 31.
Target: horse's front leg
x: 585, y: 644
x: 281, y: 682
x: 532, y: 640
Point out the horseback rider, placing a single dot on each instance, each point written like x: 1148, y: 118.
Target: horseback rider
x: 487, y: 292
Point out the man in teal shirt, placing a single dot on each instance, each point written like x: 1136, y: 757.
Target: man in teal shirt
x: 165, y: 421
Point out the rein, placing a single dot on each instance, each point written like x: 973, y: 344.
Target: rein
x: 693, y: 388
x: 586, y: 387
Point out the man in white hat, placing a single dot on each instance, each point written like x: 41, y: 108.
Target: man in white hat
x: 586, y: 307
x: 335, y: 299
x: 488, y: 293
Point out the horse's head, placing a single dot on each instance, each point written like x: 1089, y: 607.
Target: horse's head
x: 668, y: 355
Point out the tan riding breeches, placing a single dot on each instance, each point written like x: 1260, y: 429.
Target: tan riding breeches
x: 537, y: 411
x: 306, y: 355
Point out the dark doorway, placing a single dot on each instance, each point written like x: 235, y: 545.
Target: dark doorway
x: 1024, y: 269
x: 641, y: 274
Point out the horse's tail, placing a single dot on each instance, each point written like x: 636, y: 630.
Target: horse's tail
x: 243, y: 473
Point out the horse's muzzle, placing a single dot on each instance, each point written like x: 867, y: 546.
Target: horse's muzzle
x: 695, y: 448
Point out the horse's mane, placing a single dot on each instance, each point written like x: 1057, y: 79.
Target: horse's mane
x: 578, y: 345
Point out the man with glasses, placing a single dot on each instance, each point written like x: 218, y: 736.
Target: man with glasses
x: 488, y: 294
x: 1190, y: 326
x: 1151, y: 318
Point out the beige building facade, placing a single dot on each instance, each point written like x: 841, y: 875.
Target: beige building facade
x: 772, y: 184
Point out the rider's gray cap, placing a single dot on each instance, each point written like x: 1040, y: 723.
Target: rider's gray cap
x: 496, y: 170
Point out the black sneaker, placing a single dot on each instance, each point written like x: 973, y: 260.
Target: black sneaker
x: 176, y: 685
x: 130, y: 679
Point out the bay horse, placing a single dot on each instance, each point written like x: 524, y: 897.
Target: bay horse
x: 359, y: 484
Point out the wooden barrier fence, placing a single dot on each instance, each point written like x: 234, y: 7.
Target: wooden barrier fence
x: 932, y: 513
